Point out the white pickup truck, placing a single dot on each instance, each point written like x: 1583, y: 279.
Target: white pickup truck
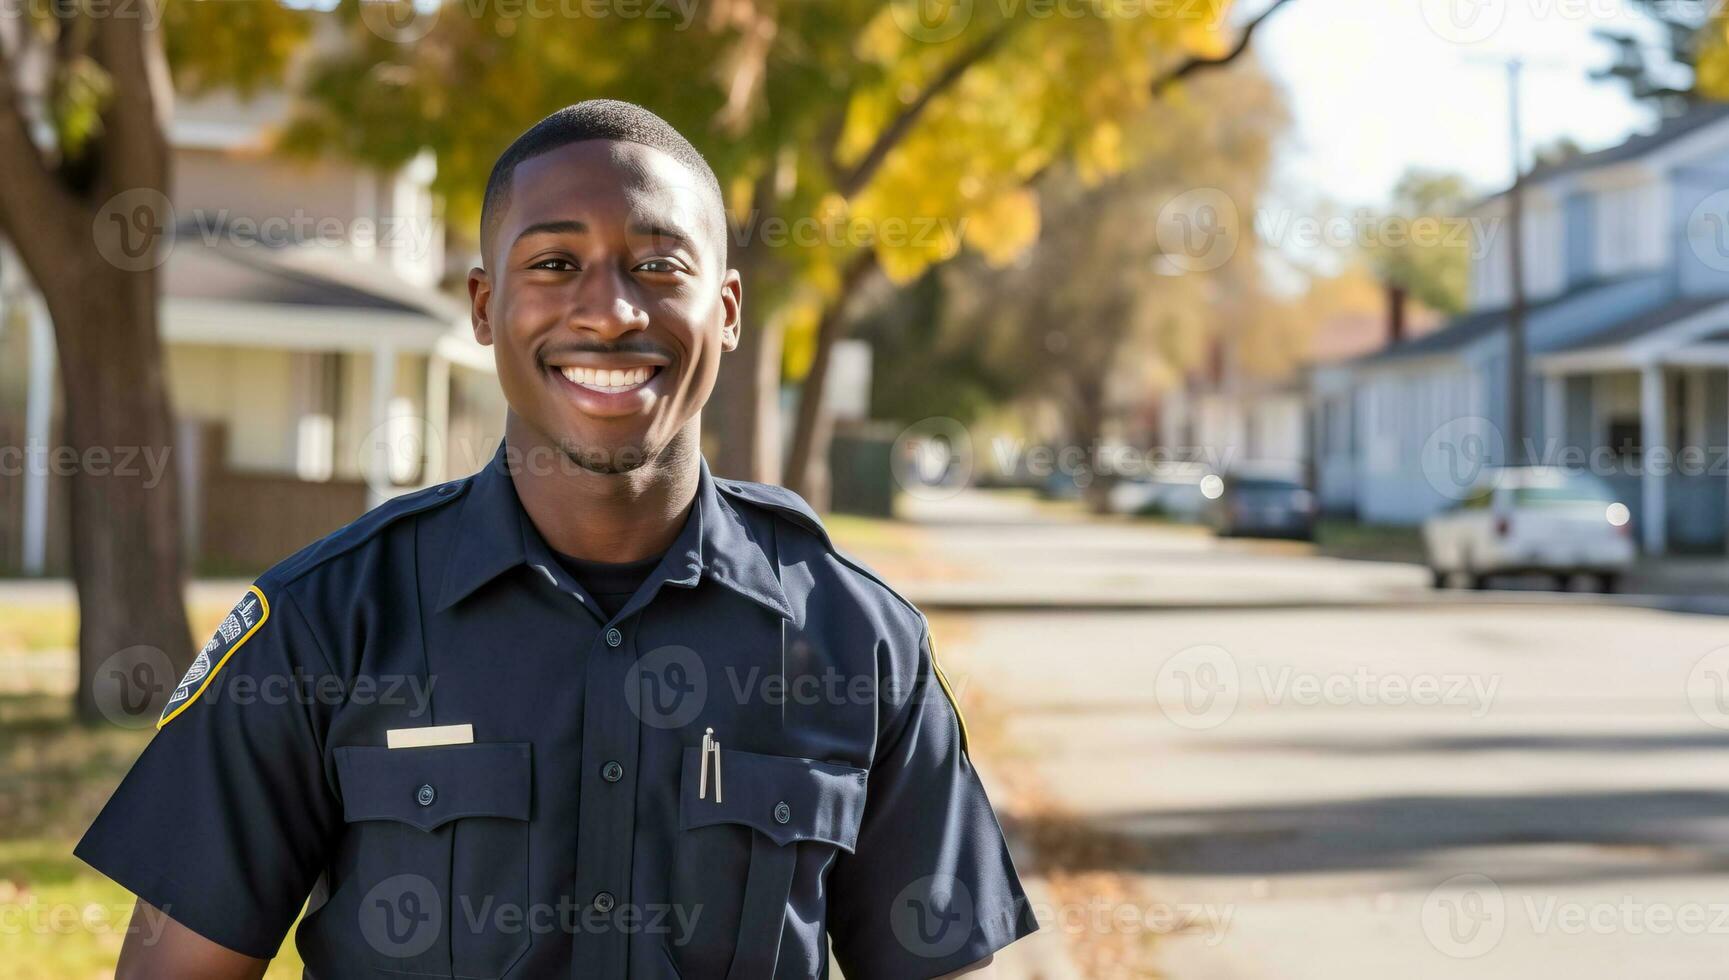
x: 1532, y: 519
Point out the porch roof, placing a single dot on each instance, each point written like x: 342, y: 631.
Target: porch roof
x: 241, y: 294
x: 1690, y: 330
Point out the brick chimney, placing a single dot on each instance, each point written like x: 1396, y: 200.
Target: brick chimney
x: 1395, y: 314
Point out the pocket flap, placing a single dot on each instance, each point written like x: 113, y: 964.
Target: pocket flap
x: 787, y: 798
x: 431, y: 786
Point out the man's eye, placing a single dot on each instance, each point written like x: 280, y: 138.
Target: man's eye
x: 555, y: 264
x: 658, y: 265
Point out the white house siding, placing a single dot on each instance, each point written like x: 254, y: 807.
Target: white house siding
x: 246, y: 389
x: 1404, y: 414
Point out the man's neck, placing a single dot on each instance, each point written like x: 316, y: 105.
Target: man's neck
x: 605, y: 517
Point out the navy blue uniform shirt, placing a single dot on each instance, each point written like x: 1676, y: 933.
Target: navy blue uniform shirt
x: 576, y: 827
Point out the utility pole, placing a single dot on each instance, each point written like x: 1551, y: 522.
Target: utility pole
x: 1515, y: 433
x: 1516, y: 273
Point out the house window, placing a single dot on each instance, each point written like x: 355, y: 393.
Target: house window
x: 1625, y: 438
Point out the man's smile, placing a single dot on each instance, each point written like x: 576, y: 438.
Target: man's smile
x: 609, y: 384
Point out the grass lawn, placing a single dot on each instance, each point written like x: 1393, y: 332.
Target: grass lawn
x: 1369, y: 542
x: 58, y: 917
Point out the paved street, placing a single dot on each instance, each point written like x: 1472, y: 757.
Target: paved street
x: 1306, y: 786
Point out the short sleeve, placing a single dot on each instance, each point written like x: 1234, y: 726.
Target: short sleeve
x: 225, y: 820
x: 931, y: 887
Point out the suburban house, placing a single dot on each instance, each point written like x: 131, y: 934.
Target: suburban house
x: 1626, y: 266
x: 315, y: 367
x: 1237, y: 417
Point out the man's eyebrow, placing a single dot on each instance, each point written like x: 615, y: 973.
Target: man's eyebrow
x: 661, y: 231
x: 566, y: 227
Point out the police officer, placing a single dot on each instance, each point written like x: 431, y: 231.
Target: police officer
x: 590, y: 712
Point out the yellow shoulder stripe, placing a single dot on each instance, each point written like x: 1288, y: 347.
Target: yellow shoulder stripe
x: 943, y: 680
x: 264, y: 614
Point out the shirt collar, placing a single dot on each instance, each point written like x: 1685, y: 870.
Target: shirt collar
x: 494, y: 535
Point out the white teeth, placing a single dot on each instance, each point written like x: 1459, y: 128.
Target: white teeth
x: 607, y: 380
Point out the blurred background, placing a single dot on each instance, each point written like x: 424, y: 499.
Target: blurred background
x: 1305, y: 422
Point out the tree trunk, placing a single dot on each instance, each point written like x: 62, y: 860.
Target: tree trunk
x: 743, y: 415
x: 807, y: 464
x: 126, y: 549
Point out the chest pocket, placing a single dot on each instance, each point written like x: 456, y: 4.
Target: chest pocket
x: 439, y: 838
x: 775, y: 819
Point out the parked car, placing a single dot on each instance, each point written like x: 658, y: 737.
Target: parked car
x: 1259, y: 504
x: 1171, y: 490
x: 1532, y: 520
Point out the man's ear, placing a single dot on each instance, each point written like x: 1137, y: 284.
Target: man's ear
x: 732, y: 310
x: 479, y: 295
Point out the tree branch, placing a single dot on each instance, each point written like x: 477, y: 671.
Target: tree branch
x: 852, y: 181
x: 1195, y: 66
x: 33, y: 204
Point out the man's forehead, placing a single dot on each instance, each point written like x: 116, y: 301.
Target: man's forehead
x: 597, y: 179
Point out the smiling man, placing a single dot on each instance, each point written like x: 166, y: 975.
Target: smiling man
x: 657, y: 725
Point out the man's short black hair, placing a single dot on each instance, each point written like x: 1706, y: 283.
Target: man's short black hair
x: 597, y: 119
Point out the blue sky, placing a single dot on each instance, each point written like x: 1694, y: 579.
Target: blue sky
x: 1375, y: 86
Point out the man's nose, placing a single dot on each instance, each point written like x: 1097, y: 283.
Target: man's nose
x: 605, y: 304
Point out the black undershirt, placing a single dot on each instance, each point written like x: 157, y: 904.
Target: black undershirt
x: 610, y: 583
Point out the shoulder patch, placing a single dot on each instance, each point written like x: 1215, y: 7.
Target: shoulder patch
x: 236, y: 628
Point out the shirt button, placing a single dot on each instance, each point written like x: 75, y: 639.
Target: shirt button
x: 446, y: 490
x: 425, y: 795
x: 612, y: 772
x: 782, y: 812
x: 603, y: 902
x: 614, y: 637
